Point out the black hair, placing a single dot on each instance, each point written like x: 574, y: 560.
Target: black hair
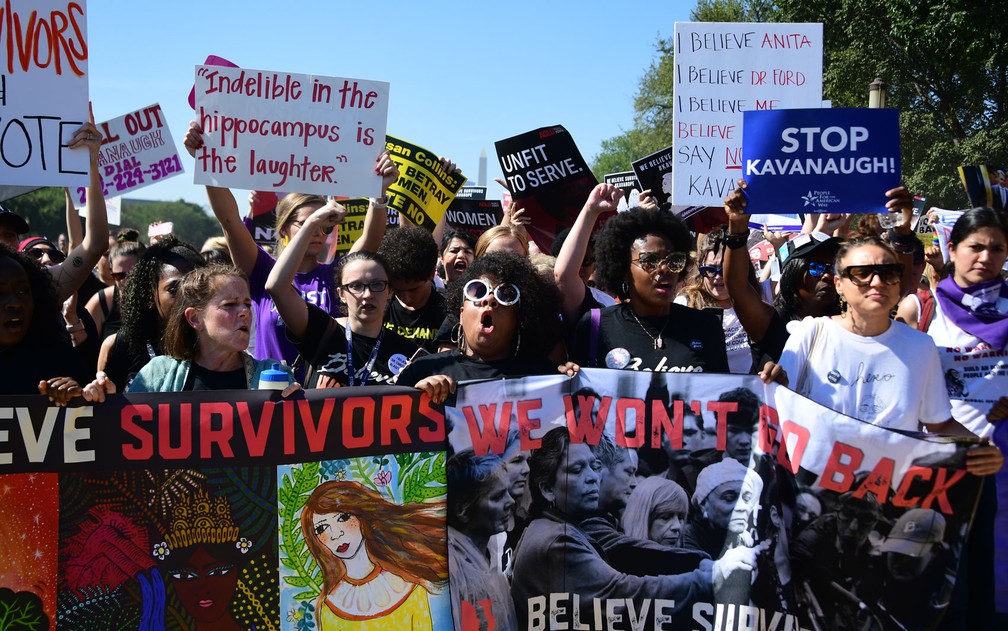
x: 615, y: 239
x: 976, y: 219
x: 538, y: 309
x: 461, y: 235
x: 544, y: 464
x: 141, y: 323
x: 468, y: 476
x: 792, y: 278
x: 562, y: 236
x: 410, y: 253
x: 46, y: 325
x: 747, y: 414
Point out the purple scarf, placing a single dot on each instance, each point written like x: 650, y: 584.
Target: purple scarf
x: 980, y: 310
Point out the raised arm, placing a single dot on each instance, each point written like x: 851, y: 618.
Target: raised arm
x: 752, y: 312
x: 240, y: 242
x: 289, y: 303
x: 902, y: 237
x: 75, y: 235
x: 566, y: 272
x: 71, y: 273
x: 376, y: 218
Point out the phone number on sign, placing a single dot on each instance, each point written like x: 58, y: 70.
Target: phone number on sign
x: 128, y: 174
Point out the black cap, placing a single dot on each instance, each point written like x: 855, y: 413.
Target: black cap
x: 20, y: 225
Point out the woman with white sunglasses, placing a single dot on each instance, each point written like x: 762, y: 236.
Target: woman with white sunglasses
x: 508, y: 324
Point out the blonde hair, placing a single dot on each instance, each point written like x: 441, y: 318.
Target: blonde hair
x: 497, y: 232
x: 287, y: 210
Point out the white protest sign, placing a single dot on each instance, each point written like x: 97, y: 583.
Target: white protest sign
x: 137, y: 151
x: 267, y: 130
x: 721, y: 70
x: 43, y: 92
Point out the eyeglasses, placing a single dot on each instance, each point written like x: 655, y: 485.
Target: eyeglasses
x: 817, y: 269
x: 299, y: 224
x: 478, y: 289
x: 649, y: 261
x: 862, y: 275
x: 710, y: 271
x: 357, y: 287
x: 38, y: 253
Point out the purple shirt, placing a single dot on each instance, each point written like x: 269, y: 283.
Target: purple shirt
x: 317, y: 287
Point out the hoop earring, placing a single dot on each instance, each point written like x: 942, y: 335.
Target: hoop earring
x: 517, y: 344
x: 625, y: 289
x: 458, y: 336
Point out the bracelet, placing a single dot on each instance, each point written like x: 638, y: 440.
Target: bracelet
x: 73, y: 328
x: 738, y: 234
x: 736, y: 242
x: 380, y: 204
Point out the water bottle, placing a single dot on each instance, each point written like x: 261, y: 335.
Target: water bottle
x: 273, y: 378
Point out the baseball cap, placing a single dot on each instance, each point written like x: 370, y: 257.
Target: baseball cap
x: 31, y: 242
x: 914, y: 532
x: 806, y: 243
x: 16, y: 220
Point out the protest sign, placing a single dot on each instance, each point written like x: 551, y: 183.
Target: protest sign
x: 474, y: 216
x: 424, y: 189
x: 820, y: 161
x: 137, y: 151
x: 986, y: 185
x: 654, y: 173
x: 920, y: 223
x: 546, y: 176
x: 627, y: 182
x: 43, y: 93
x: 722, y: 70
x: 574, y: 563
x: 471, y: 192
x: 352, y: 227
x: 281, y: 131
x: 775, y: 223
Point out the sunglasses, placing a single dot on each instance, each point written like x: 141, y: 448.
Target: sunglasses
x: 649, y: 261
x: 861, y: 275
x: 506, y: 294
x: 818, y: 269
x: 38, y: 253
x: 710, y: 271
x: 357, y: 288
x: 118, y: 276
x: 299, y: 224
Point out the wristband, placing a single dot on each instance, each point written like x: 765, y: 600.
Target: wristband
x: 735, y: 242
x: 380, y: 204
x: 902, y: 243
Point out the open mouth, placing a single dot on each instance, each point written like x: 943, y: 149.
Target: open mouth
x: 460, y: 266
x: 486, y: 322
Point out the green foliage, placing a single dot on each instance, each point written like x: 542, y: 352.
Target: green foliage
x: 945, y: 63
x: 294, y: 490
x: 422, y: 476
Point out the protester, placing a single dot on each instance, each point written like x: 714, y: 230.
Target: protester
x: 12, y: 225
x: 416, y: 310
x: 353, y: 351
x: 458, y: 248
x: 204, y: 341
x: 479, y: 507
x: 35, y: 353
x: 105, y: 306
x: 508, y: 325
x: 510, y: 238
x: 311, y: 279
x: 707, y: 290
x: 148, y: 302
x: 640, y: 254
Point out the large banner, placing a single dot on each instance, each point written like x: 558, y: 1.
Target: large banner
x: 613, y: 500
x: 548, y: 177
x: 655, y: 501
x: 424, y: 189
x: 43, y: 92
x: 721, y: 71
x: 821, y: 160
x: 280, y: 131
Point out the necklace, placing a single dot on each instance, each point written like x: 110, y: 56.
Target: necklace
x: 658, y: 342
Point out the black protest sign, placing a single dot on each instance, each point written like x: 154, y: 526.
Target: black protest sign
x: 472, y: 192
x: 627, y: 182
x: 547, y: 177
x: 655, y: 173
x: 474, y: 216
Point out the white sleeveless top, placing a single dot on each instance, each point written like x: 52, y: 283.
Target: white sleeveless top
x: 975, y: 373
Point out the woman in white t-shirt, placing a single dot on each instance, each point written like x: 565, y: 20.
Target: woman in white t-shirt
x: 707, y: 290
x: 864, y: 365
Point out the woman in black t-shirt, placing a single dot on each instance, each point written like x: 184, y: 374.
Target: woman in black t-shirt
x: 508, y: 325
x: 639, y: 255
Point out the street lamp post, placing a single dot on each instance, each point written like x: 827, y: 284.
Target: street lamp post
x: 877, y: 93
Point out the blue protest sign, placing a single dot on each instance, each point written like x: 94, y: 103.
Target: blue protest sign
x: 820, y: 160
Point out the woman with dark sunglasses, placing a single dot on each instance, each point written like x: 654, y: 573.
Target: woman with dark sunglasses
x: 639, y: 255
x: 353, y: 351
x: 707, y: 290
x: 508, y: 325
x: 863, y: 364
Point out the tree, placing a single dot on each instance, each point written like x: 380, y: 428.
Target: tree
x: 946, y: 65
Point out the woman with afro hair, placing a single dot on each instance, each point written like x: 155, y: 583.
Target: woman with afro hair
x: 639, y: 256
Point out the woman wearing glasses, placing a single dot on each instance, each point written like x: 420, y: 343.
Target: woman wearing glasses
x: 353, y: 351
x: 707, y: 290
x: 639, y: 256
x: 508, y: 325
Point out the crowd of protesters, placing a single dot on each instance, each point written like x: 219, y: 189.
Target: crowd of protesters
x: 641, y: 291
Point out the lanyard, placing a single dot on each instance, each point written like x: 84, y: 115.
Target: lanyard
x: 370, y: 362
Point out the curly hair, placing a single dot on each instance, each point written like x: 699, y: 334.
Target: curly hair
x: 492, y: 234
x: 46, y: 324
x: 196, y: 290
x: 286, y: 212
x: 410, y: 253
x: 407, y: 540
x: 617, y: 236
x: 538, y: 309
x: 141, y: 322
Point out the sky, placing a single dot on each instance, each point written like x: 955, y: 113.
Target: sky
x: 461, y: 75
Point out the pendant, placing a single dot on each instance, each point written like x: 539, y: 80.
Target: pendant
x: 658, y: 343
